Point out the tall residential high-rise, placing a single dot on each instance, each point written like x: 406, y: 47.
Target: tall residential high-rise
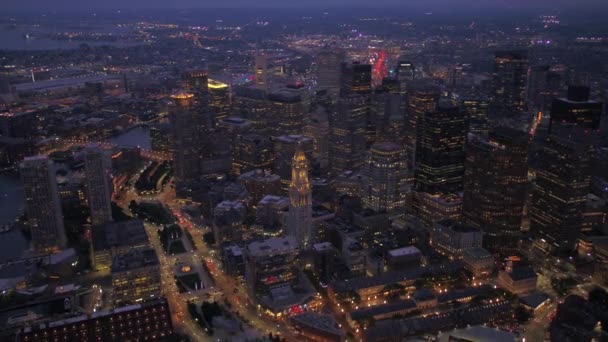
x: 42, y: 204
x: 98, y: 172
x: 495, y: 183
x: 219, y: 99
x: 562, y: 183
x: 384, y: 177
x: 285, y: 147
x: 347, y: 134
x: 186, y: 135
x: 261, y: 71
x: 328, y: 72
x: 476, y: 110
x: 420, y: 100
x: 575, y: 116
x: 299, y: 221
x: 440, y: 150
x: 356, y: 78
x: 510, y: 79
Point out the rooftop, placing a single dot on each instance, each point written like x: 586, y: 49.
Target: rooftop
x: 365, y: 313
x: 323, y: 246
x: 103, y: 313
x: 268, y: 199
x: 118, y: 234
x: 477, y: 252
x: 321, y: 322
x: 278, y: 245
x: 457, y: 227
x: 182, y: 95
x: 395, y: 277
x: 213, y: 84
x: 409, y: 250
x: 478, y: 333
x: 395, y: 329
x: 134, y: 259
x: 292, y: 138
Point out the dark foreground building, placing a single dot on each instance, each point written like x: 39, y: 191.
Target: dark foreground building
x: 150, y: 321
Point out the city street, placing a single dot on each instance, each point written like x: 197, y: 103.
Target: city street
x: 221, y: 289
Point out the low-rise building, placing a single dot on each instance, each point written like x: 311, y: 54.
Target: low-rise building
x: 452, y: 238
x: 518, y: 277
x: 272, y: 273
x: 402, y: 258
x: 271, y: 209
x: 233, y: 260
x: 478, y: 261
x: 135, y: 277
x: 260, y: 183
x: 149, y: 321
x: 433, y: 207
x: 115, y: 238
x: 365, y: 287
x: 319, y: 328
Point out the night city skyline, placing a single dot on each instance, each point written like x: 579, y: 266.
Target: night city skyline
x: 329, y: 171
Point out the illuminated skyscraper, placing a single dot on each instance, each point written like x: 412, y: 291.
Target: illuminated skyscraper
x: 328, y: 72
x: 287, y: 114
x: 476, y: 112
x: 98, y: 172
x: 420, y: 100
x: 384, y: 176
x: 196, y: 83
x: 406, y: 73
x: 356, y: 78
x: 261, y: 71
x: 299, y: 224
x: 42, y: 205
x: 219, y: 99
x: 317, y: 129
x: 575, y: 116
x: 284, y: 150
x: 391, y: 86
x: 510, y: 79
x: 538, y: 77
x: 347, y: 137
x: 253, y: 105
x: 440, y: 150
x: 252, y: 151
x: 563, y: 177
x: 186, y: 134
x: 495, y: 183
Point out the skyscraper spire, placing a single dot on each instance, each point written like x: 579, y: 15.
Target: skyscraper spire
x: 299, y: 222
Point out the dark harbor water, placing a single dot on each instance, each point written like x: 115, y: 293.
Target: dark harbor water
x: 138, y: 136
x: 12, y: 202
